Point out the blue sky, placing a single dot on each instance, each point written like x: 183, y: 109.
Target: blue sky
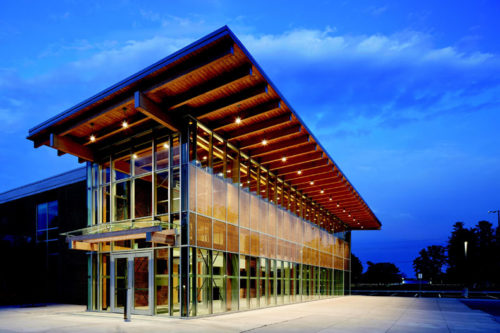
x: 404, y: 95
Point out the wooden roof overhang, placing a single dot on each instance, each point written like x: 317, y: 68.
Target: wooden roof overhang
x: 214, y: 80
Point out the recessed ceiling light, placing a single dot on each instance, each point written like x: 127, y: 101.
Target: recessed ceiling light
x: 264, y: 142
x: 134, y: 156
x: 338, y: 205
x: 283, y: 159
x: 322, y: 191
x: 204, y: 158
x: 237, y: 120
x: 299, y: 172
x: 311, y: 182
x: 124, y: 124
x: 165, y: 145
x: 330, y: 199
x: 92, y: 138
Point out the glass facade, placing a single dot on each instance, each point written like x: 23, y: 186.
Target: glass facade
x: 245, y: 239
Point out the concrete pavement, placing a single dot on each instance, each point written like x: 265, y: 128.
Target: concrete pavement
x: 344, y: 314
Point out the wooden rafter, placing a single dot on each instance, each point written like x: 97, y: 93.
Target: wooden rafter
x: 68, y: 146
x: 279, y: 146
x: 153, y: 111
x: 270, y: 135
x: 245, y: 115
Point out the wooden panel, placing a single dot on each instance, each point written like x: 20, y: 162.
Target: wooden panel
x: 153, y: 111
x: 67, y: 145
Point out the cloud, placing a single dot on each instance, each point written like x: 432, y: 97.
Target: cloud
x: 362, y: 82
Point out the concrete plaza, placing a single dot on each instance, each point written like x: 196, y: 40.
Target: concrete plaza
x: 344, y: 314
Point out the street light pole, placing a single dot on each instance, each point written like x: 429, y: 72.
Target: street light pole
x: 498, y: 215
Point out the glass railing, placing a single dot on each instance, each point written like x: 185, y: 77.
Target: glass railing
x: 117, y: 226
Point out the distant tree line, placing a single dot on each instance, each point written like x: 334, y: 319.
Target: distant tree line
x: 471, y: 257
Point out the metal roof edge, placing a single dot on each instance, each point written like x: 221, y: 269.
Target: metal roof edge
x: 80, y: 174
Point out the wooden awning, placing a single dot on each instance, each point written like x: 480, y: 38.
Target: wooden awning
x: 216, y: 81
x: 87, y: 239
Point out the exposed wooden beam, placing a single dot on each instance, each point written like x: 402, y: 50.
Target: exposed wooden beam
x: 219, y: 82
x: 244, y: 130
x: 283, y: 145
x: 309, y: 174
x: 163, y: 237
x: 303, y: 166
x: 232, y: 100
x: 74, y: 245
x: 67, y: 145
x: 290, y: 152
x: 294, y: 160
x: 270, y: 135
x: 245, y: 114
x: 117, y: 128
x: 153, y: 111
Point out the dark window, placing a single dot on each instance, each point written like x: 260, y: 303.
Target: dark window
x: 46, y: 221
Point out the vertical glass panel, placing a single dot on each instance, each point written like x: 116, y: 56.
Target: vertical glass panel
x: 192, y: 229
x: 219, y: 235
x: 176, y: 151
x: 255, y: 246
x: 232, y: 165
x: 279, y: 223
x: 271, y: 288
x: 143, y: 196
x: 262, y: 282
x: 263, y: 245
x: 244, y: 241
x: 254, y: 177
x: 279, y: 282
x: 263, y: 215
x: 254, y: 212
x: 141, y: 283
x: 121, y: 277
x: 232, y: 238
x: 121, y: 167
x: 162, y: 281
x: 202, y: 148
x: 244, y: 172
x: 244, y: 283
x: 143, y: 161
x: 162, y: 154
x: 52, y: 213
x: 244, y: 209
x: 105, y: 173
x: 271, y: 247
x: 232, y: 288
x: 204, y: 231
x: 192, y: 188
x: 204, y: 193
x: 105, y: 281
x: 122, y: 201
x: 161, y: 193
x: 271, y: 225
x: 218, y: 156
x: 106, y: 204
x: 203, y: 282
x: 253, y: 290
x: 41, y: 216
x: 219, y: 198
x: 175, y: 191
x: 232, y: 204
x: 218, y: 282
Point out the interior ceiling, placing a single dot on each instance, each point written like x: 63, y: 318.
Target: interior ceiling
x: 216, y: 81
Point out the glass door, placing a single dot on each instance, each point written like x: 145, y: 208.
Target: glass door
x: 136, y: 270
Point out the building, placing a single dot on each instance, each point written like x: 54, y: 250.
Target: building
x: 38, y: 265
x: 206, y: 192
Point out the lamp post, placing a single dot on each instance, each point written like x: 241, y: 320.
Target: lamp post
x: 466, y: 289
x: 498, y: 215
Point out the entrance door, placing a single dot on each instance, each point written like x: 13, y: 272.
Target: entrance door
x: 137, y: 267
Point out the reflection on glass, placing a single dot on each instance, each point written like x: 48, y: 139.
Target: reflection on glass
x: 143, y: 199
x: 121, y: 167
x: 162, y: 193
x: 122, y: 201
x: 141, y: 283
x: 218, y: 291
x: 143, y: 161
x: 162, y: 154
x: 162, y: 281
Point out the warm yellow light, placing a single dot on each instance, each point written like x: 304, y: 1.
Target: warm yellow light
x: 92, y: 138
x: 343, y: 210
x: 330, y: 199
x: 299, y: 172
x: 322, y: 191
x: 237, y: 120
x: 283, y: 159
x: 165, y: 145
x: 124, y: 124
x: 134, y: 156
x: 312, y: 183
x: 338, y: 205
x: 264, y: 142
x: 204, y: 158
x: 349, y: 215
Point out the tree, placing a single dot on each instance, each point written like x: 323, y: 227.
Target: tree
x: 430, y: 263
x: 383, y: 272
x: 461, y: 247
x: 356, y: 269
